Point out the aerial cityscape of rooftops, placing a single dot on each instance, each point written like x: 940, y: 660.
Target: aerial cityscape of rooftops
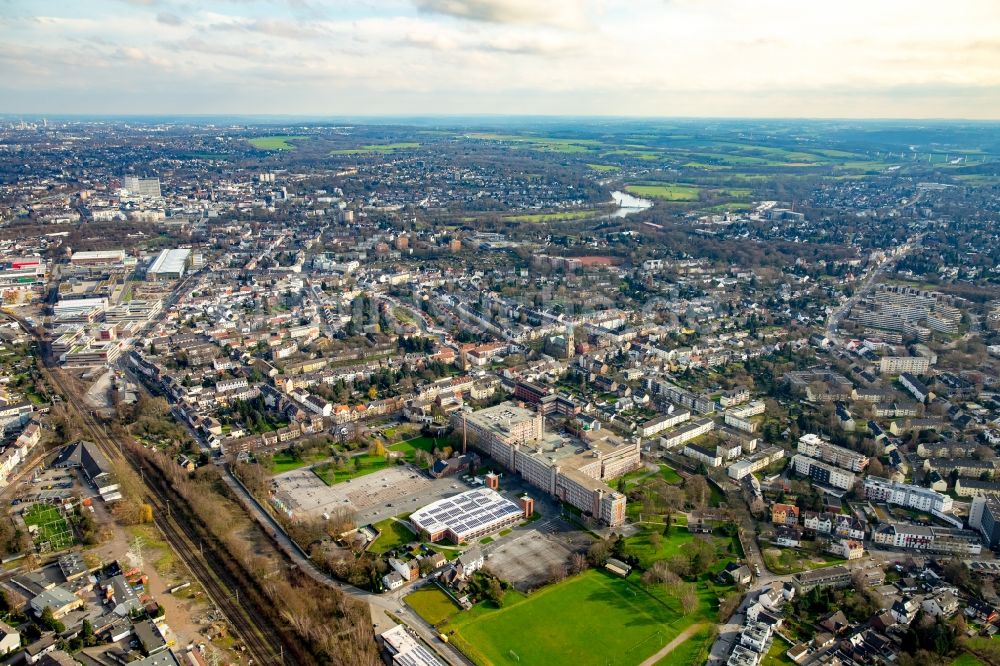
x: 493, y: 390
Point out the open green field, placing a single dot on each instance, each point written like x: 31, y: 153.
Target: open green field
x: 422, y: 443
x: 432, y: 604
x: 966, y: 659
x: 283, y: 461
x: 553, y: 144
x: 594, y: 618
x: 789, y: 561
x: 670, y: 476
x: 553, y: 217
x: 355, y: 467
x: 665, y: 192
x: 392, y: 534
x: 692, y: 651
x: 377, y: 148
x: 641, y: 545
x: 279, y: 142
x: 603, y: 167
x: 52, y: 527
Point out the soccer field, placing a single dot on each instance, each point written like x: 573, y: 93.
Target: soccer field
x: 593, y: 618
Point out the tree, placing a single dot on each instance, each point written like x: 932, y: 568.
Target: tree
x: 599, y: 552
x: 577, y: 563
x: 728, y: 606
x: 494, y: 591
x: 688, y: 595
x: 87, y: 634
x: 557, y: 572
x: 700, y: 554
x: 659, y: 573
x: 696, y: 489
x: 49, y: 620
x: 680, y: 565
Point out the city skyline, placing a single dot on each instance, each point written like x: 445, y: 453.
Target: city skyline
x: 567, y: 57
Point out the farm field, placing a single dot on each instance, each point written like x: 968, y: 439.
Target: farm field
x: 52, y: 527
x: 280, y: 142
x: 665, y: 192
x: 592, y: 618
x: 377, y: 148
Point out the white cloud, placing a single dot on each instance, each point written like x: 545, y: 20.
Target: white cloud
x: 767, y: 57
x: 563, y: 13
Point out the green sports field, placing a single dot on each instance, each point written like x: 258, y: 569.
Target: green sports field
x: 594, y: 618
x: 276, y: 142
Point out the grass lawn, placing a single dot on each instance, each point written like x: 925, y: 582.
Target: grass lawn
x: 432, y: 604
x: 553, y: 217
x: 357, y: 466
x: 52, y: 527
x: 966, y: 659
x: 279, y: 142
x: 392, y: 534
x: 283, y: 462
x: 776, y: 655
x: 666, y: 192
x: 788, y: 560
x: 593, y: 618
x: 692, y: 651
x: 642, y: 547
x: 603, y: 167
x: 670, y: 476
x: 410, y: 447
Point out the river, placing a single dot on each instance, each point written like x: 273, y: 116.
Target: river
x: 628, y: 204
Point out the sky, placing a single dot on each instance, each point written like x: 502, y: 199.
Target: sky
x: 658, y: 58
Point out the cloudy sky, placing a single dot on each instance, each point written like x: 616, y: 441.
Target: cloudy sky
x: 786, y: 58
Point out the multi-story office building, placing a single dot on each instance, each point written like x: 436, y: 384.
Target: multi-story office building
x: 573, y: 471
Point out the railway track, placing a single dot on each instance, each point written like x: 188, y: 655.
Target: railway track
x: 263, y: 641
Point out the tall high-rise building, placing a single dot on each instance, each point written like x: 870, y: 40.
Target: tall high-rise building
x: 143, y: 187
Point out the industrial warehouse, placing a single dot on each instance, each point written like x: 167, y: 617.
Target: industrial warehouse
x: 469, y: 515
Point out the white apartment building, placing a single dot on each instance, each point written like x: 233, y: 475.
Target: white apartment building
x: 904, y: 494
x: 814, y: 446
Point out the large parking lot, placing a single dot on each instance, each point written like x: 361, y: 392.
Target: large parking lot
x: 527, y: 557
x: 51, y: 486
x: 373, y: 497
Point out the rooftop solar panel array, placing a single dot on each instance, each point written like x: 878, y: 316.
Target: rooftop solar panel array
x: 465, y: 512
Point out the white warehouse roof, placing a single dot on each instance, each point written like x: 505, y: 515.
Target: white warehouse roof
x: 171, y: 261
